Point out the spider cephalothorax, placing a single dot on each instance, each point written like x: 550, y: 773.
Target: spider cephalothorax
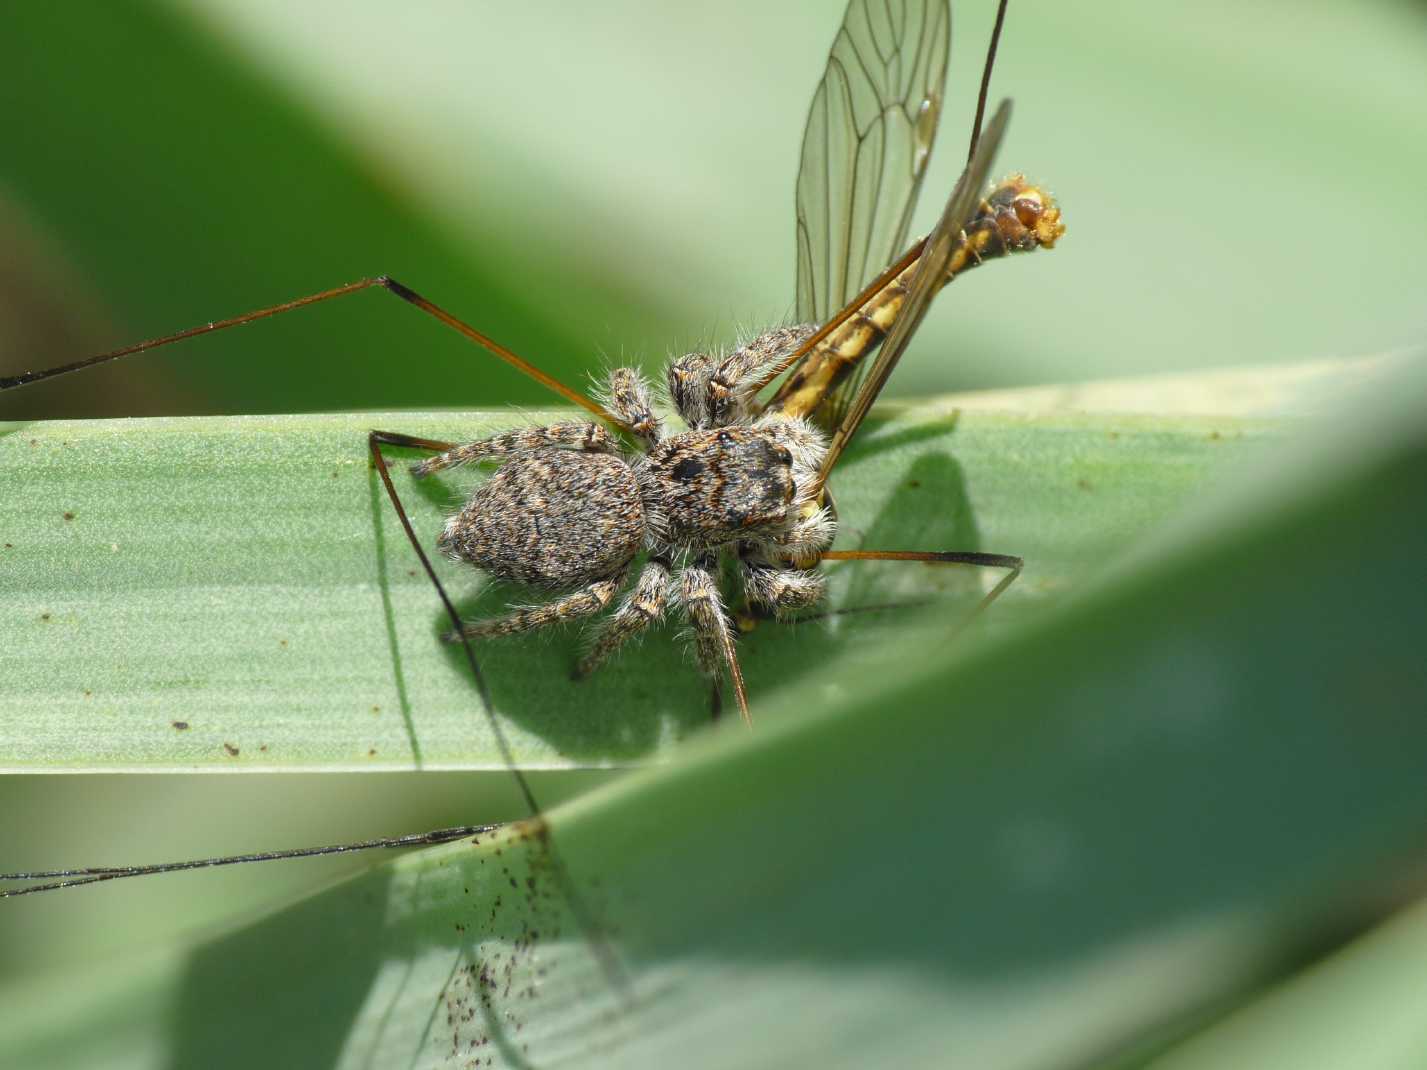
x: 571, y: 507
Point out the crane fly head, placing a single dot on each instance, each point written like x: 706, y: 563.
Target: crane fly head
x: 1026, y: 215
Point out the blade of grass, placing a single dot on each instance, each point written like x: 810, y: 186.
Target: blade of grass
x: 235, y: 592
x: 1138, y: 805
x: 1360, y: 1009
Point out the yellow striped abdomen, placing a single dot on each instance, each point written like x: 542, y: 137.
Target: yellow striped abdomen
x: 1015, y: 217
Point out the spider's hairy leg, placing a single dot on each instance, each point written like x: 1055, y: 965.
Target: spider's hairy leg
x: 713, y: 637
x: 743, y: 369
x: 709, y: 391
x: 687, y: 380
x: 810, y: 533
x: 644, y: 606
x: 738, y: 377
x: 779, y: 589
x: 585, y: 602
x: 627, y: 396
x: 576, y: 435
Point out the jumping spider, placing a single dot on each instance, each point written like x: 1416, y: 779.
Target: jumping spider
x: 571, y: 507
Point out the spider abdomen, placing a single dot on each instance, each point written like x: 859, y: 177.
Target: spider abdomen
x: 550, y: 518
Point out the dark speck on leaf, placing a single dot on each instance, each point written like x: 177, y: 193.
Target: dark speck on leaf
x: 68, y: 515
x: 914, y: 483
x: 232, y: 750
x: 44, y: 616
x: 181, y: 726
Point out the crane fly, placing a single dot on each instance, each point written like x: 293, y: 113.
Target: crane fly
x: 865, y: 151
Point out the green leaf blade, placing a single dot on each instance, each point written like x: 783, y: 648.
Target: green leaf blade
x: 236, y: 593
x: 1091, y: 829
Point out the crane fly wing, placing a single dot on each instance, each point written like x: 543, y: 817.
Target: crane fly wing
x: 940, y: 245
x: 866, y: 146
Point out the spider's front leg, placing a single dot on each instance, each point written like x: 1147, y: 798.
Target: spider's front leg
x: 781, y: 589
x: 743, y: 369
x: 713, y: 637
x: 713, y: 392
x: 627, y: 396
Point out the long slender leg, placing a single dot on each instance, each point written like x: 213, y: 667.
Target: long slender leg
x: 797, y: 601
x: 385, y: 282
x: 585, y: 602
x: 589, y: 437
x: 72, y: 878
x: 713, y: 638
x: 584, y: 916
x: 1011, y: 563
x: 54, y: 880
x: 375, y: 441
x: 644, y: 606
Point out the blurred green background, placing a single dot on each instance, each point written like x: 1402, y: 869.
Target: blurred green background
x: 614, y: 182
